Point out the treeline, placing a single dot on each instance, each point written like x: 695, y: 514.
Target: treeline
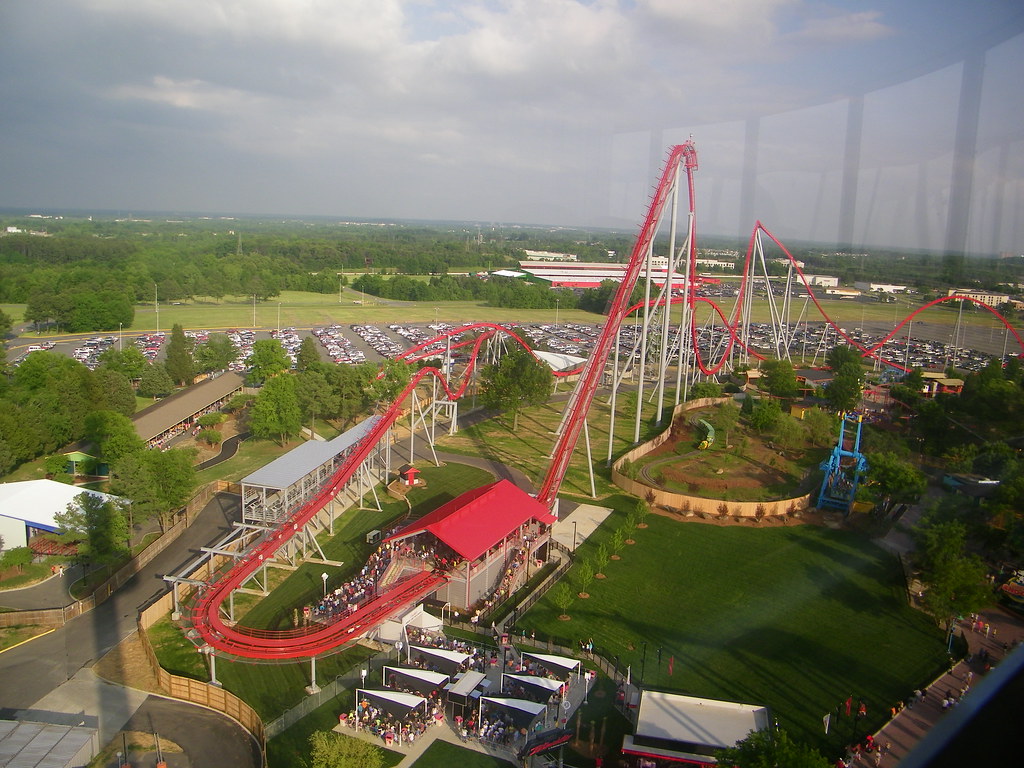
x: 494, y: 291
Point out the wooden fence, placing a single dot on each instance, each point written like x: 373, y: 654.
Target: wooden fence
x: 699, y: 505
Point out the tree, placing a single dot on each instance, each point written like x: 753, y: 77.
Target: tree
x: 113, y: 433
x: 788, y: 432
x: 5, y: 324
x: 333, y: 750
x: 583, y: 573
x: 276, y: 414
x: 15, y: 557
x: 766, y: 415
x: 158, y: 483
x: 268, y: 359
x: 309, y: 354
x: 131, y: 362
x: 956, y: 580
x: 114, y: 391
x: 843, y: 392
x: 155, y: 382
x: 727, y: 415
x: 821, y: 426
x: 771, y: 748
x: 180, y: 366
x: 840, y: 355
x: 894, y: 479
x: 561, y: 596
x: 779, y: 378
x: 316, y: 396
x: 388, y: 383
x: 215, y: 354
x: 704, y: 389
x: 516, y: 382
x: 102, y: 522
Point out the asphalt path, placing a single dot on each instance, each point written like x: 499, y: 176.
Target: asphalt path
x: 31, y: 671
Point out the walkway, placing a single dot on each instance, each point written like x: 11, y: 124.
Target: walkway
x: 908, y: 727
x: 51, y: 592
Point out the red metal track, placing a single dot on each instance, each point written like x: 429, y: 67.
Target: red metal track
x: 303, y: 644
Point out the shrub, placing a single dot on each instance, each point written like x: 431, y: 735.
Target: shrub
x: 209, y: 436
x: 210, y: 419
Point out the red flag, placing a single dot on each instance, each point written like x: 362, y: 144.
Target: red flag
x: 671, y: 659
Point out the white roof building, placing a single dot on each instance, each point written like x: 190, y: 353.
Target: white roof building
x: 29, y: 507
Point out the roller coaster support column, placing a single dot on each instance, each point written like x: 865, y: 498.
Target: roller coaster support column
x: 611, y: 399
x: 666, y: 313
x: 642, y: 370
x: 590, y: 462
x: 312, y: 689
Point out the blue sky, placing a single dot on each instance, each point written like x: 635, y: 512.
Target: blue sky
x: 536, y: 111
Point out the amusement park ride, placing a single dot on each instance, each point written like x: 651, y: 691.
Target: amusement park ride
x: 701, y: 349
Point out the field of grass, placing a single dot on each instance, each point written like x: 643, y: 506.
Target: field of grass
x: 796, y: 618
x: 29, y: 574
x: 290, y: 748
x: 442, y: 754
x: 269, y: 688
x: 11, y: 636
x: 252, y: 454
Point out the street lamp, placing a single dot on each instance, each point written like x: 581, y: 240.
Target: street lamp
x: 573, y: 535
x: 120, y: 345
x: 449, y: 607
x: 556, y: 313
x: 324, y: 577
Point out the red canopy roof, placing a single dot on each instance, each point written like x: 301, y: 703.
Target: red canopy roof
x: 478, y: 519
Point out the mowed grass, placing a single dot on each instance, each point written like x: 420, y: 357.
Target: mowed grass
x: 795, y: 618
x: 442, y: 754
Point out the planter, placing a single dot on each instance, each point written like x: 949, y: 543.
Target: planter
x: 583, y: 595
x: 600, y: 576
x: 615, y: 557
x: 564, y: 617
x: 630, y: 541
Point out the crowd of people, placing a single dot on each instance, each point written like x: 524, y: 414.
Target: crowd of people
x: 496, y: 726
x: 478, y: 661
x: 391, y: 728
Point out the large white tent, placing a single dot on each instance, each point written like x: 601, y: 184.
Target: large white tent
x: 28, y: 507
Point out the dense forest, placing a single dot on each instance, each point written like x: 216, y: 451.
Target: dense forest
x: 86, y: 274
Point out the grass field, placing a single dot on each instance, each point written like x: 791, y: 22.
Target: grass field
x: 442, y: 754
x: 796, y: 618
x: 303, y: 310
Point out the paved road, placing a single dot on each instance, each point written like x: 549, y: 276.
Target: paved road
x: 33, y: 670
x: 227, y: 449
x: 51, y: 593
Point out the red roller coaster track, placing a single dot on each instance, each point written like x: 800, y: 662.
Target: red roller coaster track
x: 319, y: 639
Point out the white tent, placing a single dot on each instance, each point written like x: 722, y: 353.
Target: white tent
x: 394, y: 702
x: 548, y: 683
x: 559, y: 662
x: 392, y: 630
x: 523, y: 711
x: 432, y: 679
x: 445, y: 659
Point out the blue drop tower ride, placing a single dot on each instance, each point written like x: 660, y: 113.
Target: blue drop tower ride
x: 844, y: 467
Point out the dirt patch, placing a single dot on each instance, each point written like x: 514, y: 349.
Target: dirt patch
x: 126, y: 664
x: 807, y: 517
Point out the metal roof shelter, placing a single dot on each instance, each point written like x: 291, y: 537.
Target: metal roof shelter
x: 45, y: 745
x: 690, y: 729
x: 447, y: 661
x: 479, y: 519
x: 175, y: 413
x: 271, y: 492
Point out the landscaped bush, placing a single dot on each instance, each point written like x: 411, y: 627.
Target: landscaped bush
x: 209, y: 436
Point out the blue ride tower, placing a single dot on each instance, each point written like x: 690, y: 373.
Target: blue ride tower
x: 844, y: 467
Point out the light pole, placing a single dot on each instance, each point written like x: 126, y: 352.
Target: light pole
x: 435, y: 319
x: 324, y: 577
x: 279, y: 318
x: 254, y: 311
x: 449, y: 607
x: 556, y: 313
x: 573, y: 535
x: 120, y: 345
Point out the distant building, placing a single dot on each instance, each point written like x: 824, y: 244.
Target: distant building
x: 843, y: 293
x: 880, y: 287
x: 984, y: 297
x: 28, y: 508
x: 825, y: 281
x: 585, y: 274
x: 552, y: 256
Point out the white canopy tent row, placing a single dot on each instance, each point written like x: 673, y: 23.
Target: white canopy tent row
x: 395, y: 703
x: 562, y: 664
x: 547, y: 685
x: 422, y: 680
x: 447, y: 661
x: 523, y: 712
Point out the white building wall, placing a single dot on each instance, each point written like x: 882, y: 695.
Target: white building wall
x: 13, y: 532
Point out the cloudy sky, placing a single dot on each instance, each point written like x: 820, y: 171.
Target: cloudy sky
x: 535, y: 111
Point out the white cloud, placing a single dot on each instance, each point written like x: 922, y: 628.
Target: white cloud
x: 864, y: 26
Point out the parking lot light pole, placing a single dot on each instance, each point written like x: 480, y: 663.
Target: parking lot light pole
x: 120, y: 345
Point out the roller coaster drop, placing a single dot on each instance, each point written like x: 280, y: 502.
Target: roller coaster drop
x: 656, y: 342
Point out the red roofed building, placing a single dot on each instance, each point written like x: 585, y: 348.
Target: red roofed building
x: 492, y: 535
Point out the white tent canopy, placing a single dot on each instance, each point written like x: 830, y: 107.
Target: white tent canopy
x: 562, y: 662
x: 549, y: 683
x: 407, y: 700
x: 523, y: 705
x: 434, y: 678
x: 454, y: 657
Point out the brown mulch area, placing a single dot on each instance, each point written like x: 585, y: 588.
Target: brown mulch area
x: 126, y: 664
x: 228, y: 428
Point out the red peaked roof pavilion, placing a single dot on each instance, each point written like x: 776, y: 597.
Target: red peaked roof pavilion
x: 478, y: 519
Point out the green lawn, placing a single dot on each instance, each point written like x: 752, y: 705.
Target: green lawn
x: 252, y: 454
x: 796, y: 618
x: 442, y: 754
x: 290, y: 748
